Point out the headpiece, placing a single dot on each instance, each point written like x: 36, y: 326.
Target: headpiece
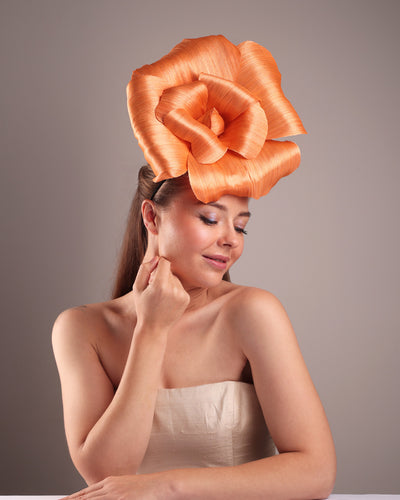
x: 213, y: 109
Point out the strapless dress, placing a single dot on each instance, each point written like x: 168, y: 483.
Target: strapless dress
x: 209, y: 425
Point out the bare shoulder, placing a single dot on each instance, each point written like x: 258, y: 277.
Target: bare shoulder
x: 249, y: 301
x: 256, y: 315
x: 80, y: 325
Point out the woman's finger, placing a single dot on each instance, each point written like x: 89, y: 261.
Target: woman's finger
x: 143, y: 275
x: 86, y: 492
x: 163, y: 271
x: 151, y: 278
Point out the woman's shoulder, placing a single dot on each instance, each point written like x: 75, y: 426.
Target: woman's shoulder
x: 245, y: 299
x: 84, y: 322
x: 252, y: 309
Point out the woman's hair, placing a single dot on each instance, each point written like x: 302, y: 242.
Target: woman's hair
x: 134, y: 244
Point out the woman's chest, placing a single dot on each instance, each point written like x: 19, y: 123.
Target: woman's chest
x: 194, y: 355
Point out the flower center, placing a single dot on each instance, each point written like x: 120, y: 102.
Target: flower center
x: 214, y: 115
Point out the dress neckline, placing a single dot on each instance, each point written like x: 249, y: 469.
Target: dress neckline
x: 240, y: 383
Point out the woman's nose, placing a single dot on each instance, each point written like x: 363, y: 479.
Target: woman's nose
x: 229, y: 237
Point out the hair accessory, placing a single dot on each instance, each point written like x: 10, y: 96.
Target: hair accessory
x: 213, y: 109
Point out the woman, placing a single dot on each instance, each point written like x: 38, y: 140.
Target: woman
x: 186, y: 385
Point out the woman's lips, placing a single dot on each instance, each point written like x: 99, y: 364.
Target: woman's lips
x: 217, y: 261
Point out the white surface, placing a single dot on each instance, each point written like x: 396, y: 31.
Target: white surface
x: 332, y: 497
x: 364, y: 497
x: 32, y: 497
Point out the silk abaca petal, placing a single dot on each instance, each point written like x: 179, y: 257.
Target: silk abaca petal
x: 165, y: 152
x: 193, y: 56
x: 246, y: 134
x: 205, y: 145
x: 226, y: 96
x: 192, y: 97
x: 260, y: 75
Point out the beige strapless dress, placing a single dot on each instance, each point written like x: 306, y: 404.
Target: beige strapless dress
x: 210, y: 425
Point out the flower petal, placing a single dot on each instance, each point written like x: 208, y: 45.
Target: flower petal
x: 165, y: 153
x: 188, y: 59
x: 226, y: 96
x: 251, y: 178
x: 210, y: 182
x: 246, y: 134
x: 276, y: 160
x: 260, y: 75
x: 214, y: 121
x: 190, y: 96
x: 206, y: 147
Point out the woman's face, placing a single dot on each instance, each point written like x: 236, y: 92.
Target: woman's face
x: 202, y: 241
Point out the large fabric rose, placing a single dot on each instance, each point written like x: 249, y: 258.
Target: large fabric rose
x: 213, y: 109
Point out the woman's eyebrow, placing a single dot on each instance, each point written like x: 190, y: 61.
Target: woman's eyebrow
x: 223, y: 207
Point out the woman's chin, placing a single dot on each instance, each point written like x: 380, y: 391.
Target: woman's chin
x: 198, y: 276
x: 203, y: 281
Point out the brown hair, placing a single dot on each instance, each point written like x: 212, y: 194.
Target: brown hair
x: 134, y: 243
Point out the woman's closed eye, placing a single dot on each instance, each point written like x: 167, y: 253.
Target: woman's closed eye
x: 211, y: 222
x: 208, y: 221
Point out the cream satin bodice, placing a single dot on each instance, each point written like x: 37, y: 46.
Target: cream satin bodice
x: 210, y: 425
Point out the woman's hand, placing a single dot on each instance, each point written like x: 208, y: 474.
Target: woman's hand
x: 140, y: 487
x: 160, y: 297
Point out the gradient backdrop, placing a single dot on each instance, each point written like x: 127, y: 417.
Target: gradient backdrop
x: 325, y: 240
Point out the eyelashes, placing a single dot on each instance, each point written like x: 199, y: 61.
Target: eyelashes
x: 211, y: 222
x: 207, y: 221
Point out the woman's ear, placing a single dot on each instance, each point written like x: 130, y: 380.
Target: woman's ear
x: 149, y: 215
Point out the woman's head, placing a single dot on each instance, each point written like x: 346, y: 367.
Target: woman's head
x: 202, y: 241
x: 181, y: 220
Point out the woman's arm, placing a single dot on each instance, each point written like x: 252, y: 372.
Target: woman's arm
x: 306, y: 465
x: 99, y: 424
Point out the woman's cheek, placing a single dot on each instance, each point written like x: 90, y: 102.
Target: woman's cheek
x: 237, y: 253
x: 168, y: 242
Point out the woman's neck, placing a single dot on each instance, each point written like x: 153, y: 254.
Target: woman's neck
x: 199, y: 297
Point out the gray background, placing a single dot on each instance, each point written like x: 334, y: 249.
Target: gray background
x: 325, y: 240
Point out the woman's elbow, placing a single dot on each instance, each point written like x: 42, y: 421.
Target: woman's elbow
x: 96, y: 467
x: 90, y: 470
x: 325, y: 477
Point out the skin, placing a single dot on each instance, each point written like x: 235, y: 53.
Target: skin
x: 181, y: 325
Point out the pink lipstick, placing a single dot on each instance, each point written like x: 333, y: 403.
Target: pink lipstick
x: 217, y: 261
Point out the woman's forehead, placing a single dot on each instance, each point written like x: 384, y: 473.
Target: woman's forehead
x: 225, y: 203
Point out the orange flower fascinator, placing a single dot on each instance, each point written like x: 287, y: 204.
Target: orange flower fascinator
x: 213, y: 109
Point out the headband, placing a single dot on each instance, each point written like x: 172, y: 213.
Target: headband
x: 213, y: 109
